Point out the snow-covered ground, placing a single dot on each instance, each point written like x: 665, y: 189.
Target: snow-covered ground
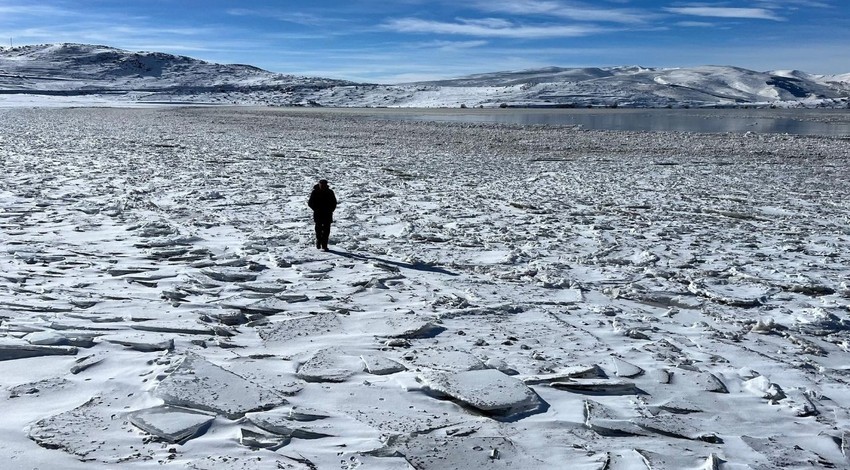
x: 495, y: 297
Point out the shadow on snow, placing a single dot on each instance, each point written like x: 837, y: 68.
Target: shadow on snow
x: 416, y: 266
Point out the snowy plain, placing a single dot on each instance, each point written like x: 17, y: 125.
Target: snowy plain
x: 495, y: 296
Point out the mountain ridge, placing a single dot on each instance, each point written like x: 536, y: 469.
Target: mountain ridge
x: 97, y: 70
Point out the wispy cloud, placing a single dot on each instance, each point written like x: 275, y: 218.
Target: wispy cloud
x: 490, y: 27
x: 452, y: 45
x: 288, y: 16
x: 35, y: 10
x: 795, y: 3
x: 727, y: 12
x: 567, y: 10
x: 696, y: 24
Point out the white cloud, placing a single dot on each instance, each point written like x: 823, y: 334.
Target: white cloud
x: 452, y: 45
x: 35, y: 10
x: 696, y: 24
x: 569, y: 10
x: 496, y: 29
x: 492, y: 23
x: 796, y: 3
x: 727, y: 12
x: 289, y: 16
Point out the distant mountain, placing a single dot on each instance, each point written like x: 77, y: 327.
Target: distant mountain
x: 88, y: 70
x: 82, y: 69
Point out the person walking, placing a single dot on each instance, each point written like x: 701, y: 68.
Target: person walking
x: 323, y: 202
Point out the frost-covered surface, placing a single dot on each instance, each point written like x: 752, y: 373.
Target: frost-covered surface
x: 82, y: 74
x: 630, y: 300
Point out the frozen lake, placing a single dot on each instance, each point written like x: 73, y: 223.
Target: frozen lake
x: 825, y: 122
x: 496, y: 297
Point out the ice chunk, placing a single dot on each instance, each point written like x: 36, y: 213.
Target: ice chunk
x: 328, y: 365
x: 606, y: 422
x: 200, y: 384
x: 18, y: 350
x: 740, y: 294
x: 566, y: 374
x: 439, y: 452
x: 171, y: 424
x: 144, y: 342
x: 599, y: 387
x: 306, y: 326
x: 256, y: 440
x: 762, y: 387
x: 52, y: 338
x: 380, y: 365
x: 626, y: 369
x: 487, y: 390
x: 177, y: 327
x: 447, y: 360
x: 283, y: 423
x: 230, y: 275
x: 84, y: 363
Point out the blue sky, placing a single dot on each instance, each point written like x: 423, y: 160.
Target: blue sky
x: 408, y: 40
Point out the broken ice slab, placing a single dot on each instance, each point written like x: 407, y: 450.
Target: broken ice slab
x: 655, y: 460
x: 598, y: 387
x: 380, y: 365
x: 39, y: 306
x: 626, y: 369
x: 405, y: 326
x: 796, y: 451
x: 676, y: 405
x: 704, y: 380
x: 554, y: 296
x: 677, y: 426
x: 764, y: 388
x: 264, y: 288
x: 200, y: 384
x: 487, y: 390
x: 329, y: 365
x: 171, y: 423
x: 184, y: 327
x: 230, y: 274
x: 798, y: 401
x: 257, y: 440
x: 53, y: 338
x: 91, y: 432
x: 10, y: 350
x: 142, y: 341
x: 226, y: 317
x: 272, y: 305
x: 281, y: 422
x: 606, y: 422
x: 122, y: 271
x: 445, y: 360
x: 566, y: 374
x: 84, y: 363
x: 307, y: 326
x: 501, y: 366
x: 738, y: 294
x: 434, y: 451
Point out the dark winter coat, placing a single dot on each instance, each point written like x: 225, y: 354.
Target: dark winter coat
x: 323, y: 203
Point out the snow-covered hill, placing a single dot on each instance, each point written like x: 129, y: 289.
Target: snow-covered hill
x: 87, y: 70
x: 81, y: 69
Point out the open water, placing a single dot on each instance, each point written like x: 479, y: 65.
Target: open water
x: 825, y: 122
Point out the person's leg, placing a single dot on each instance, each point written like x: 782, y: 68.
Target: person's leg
x: 319, y: 234
x: 326, y: 235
